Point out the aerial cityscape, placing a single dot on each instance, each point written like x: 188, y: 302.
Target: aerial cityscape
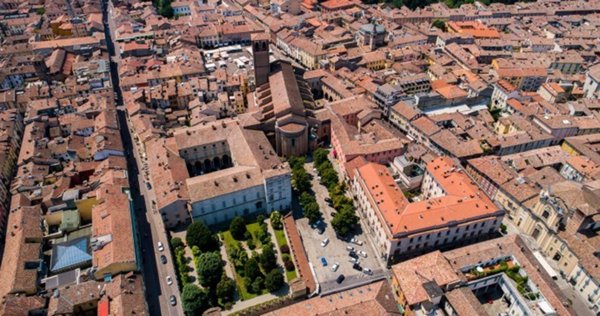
x: 299, y: 157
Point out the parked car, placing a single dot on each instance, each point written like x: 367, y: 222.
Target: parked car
x: 335, y: 266
x: 325, y: 242
x: 160, y: 246
x: 354, y: 260
x: 324, y: 261
x: 148, y: 186
x: 367, y: 271
x: 356, y: 241
x: 363, y: 253
x: 332, y: 213
x: 173, y: 300
x: 328, y: 200
x: 349, y: 248
x: 340, y: 279
x: 357, y: 266
x: 163, y: 259
x: 353, y: 254
x: 169, y: 280
x: 320, y: 230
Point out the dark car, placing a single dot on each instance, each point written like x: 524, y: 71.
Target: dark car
x: 148, y: 186
x: 340, y: 279
x: 332, y: 213
x: 163, y: 259
x: 357, y: 266
x: 173, y: 300
x: 353, y: 254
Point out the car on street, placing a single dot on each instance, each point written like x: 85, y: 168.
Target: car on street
x: 335, y: 266
x: 356, y: 241
x: 367, y: 271
x: 340, y: 279
x: 353, y: 254
x: 357, y: 267
x: 324, y: 242
x: 363, y: 253
x: 354, y: 260
x: 173, y: 300
x: 332, y: 213
x: 163, y: 259
x: 320, y: 230
x: 148, y: 186
x: 160, y: 246
x: 349, y: 248
x: 324, y: 261
x: 169, y: 280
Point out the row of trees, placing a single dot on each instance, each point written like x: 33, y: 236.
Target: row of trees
x: 345, y: 219
x: 301, y: 182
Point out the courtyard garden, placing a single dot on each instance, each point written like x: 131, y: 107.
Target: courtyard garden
x: 251, y: 252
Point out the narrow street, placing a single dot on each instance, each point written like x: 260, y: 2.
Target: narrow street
x: 158, y: 292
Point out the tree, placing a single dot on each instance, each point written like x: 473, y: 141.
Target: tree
x: 238, y: 227
x: 165, y: 9
x: 320, y: 156
x: 267, y: 258
x: 311, y: 211
x: 297, y: 163
x: 440, y: 24
x: 198, y: 234
x: 258, y: 284
x: 343, y: 221
x: 301, y: 180
x: 274, y: 280
x: 306, y: 198
x: 226, y: 289
x: 40, y: 11
x: 260, y: 218
x: 251, y: 269
x: 276, y: 222
x: 194, y: 300
x: 210, y: 268
x: 176, y: 242
x: 329, y: 177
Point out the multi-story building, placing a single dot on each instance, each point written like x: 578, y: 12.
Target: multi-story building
x: 452, y: 209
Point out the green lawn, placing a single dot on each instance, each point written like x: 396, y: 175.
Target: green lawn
x: 290, y: 275
x: 280, y: 236
x: 230, y: 243
x: 254, y: 228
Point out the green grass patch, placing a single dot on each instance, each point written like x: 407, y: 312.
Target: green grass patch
x: 244, y: 294
x: 290, y: 275
x: 254, y: 228
x: 230, y: 243
x: 280, y: 236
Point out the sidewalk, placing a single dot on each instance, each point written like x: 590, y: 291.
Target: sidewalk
x: 274, y: 240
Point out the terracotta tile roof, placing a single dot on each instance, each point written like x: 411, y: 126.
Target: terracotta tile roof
x: 463, y: 200
x: 376, y: 298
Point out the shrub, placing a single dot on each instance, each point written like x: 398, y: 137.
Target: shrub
x: 276, y: 220
x: 251, y: 244
x: 260, y: 218
x: 267, y: 258
x: 285, y: 257
x: 176, y: 242
x: 247, y: 235
x: 257, y: 285
x: 285, y: 249
x: 225, y: 289
x: 289, y: 265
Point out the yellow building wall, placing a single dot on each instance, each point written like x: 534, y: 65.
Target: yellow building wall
x: 54, y: 218
x: 85, y: 208
x: 568, y: 149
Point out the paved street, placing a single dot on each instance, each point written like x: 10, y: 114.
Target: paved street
x: 149, y: 225
x: 335, y: 251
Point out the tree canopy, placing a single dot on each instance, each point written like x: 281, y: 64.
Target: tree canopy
x: 237, y: 227
x: 194, y: 300
x: 210, y: 268
x: 198, y: 234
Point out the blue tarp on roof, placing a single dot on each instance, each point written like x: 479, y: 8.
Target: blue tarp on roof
x: 70, y: 254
